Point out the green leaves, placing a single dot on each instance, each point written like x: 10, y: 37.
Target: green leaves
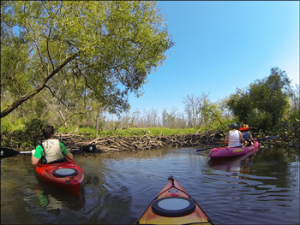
x: 108, y: 47
x: 264, y: 102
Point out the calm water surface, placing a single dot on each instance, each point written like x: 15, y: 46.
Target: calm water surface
x: 262, y: 188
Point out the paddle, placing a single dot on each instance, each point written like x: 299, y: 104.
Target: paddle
x: 6, y: 152
x: 262, y: 139
x: 203, y: 149
x: 268, y: 138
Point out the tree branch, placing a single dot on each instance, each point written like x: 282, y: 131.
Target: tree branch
x: 48, y: 48
x: 21, y: 100
x: 53, y: 94
x: 74, y: 114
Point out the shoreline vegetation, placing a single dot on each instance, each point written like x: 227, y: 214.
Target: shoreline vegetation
x: 134, y: 139
x: 62, y: 78
x: 147, y: 142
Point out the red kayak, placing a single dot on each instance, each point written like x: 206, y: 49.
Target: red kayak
x: 65, y: 175
x: 223, y: 152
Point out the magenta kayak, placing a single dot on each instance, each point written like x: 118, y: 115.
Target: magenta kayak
x: 230, y: 151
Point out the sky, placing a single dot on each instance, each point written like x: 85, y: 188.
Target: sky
x: 219, y: 47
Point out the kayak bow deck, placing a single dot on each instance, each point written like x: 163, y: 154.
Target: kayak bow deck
x: 222, y: 152
x: 65, y: 175
x: 173, y: 205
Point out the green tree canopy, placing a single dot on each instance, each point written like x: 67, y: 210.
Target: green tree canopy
x: 264, y: 102
x: 99, y: 49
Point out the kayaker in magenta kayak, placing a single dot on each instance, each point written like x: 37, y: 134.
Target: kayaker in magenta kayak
x: 234, y: 137
x: 51, y: 149
x: 244, y: 128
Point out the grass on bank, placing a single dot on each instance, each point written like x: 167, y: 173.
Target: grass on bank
x: 153, y: 131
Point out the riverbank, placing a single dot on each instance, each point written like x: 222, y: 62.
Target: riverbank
x: 146, y: 142
x: 117, y: 143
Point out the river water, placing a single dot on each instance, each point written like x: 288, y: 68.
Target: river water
x: 262, y: 188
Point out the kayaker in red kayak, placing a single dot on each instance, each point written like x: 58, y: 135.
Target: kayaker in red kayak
x: 51, y: 149
x: 234, y: 137
x: 246, y: 134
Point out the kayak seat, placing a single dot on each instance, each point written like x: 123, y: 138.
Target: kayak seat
x: 44, y: 161
x: 173, y: 206
x: 65, y: 172
x: 58, y: 161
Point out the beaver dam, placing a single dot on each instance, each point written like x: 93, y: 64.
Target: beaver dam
x: 133, y: 143
x: 117, y: 143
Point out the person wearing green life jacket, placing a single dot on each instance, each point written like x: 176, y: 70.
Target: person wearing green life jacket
x: 50, y: 150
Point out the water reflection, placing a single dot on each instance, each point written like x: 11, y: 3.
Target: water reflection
x: 237, y: 164
x: 262, y: 188
x: 54, y: 198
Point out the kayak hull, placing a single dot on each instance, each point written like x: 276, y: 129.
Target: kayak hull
x: 223, y: 152
x: 70, y: 183
x: 173, y: 190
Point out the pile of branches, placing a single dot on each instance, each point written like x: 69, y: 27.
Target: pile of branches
x: 117, y: 143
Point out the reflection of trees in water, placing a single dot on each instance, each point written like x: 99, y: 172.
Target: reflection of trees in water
x: 115, y: 208
x: 275, y: 162
x: 247, y: 163
x: 140, y: 154
x: 108, y: 196
x: 20, y: 162
x: 107, y: 203
x: 108, y: 199
x: 91, y: 179
x: 273, y: 169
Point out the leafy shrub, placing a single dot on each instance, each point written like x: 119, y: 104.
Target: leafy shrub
x: 87, y: 131
x: 24, y: 137
x: 295, y: 114
x: 5, y: 125
x: 33, y: 131
x: 87, y: 124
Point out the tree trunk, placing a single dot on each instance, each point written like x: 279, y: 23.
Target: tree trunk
x: 98, y: 118
x: 64, y: 119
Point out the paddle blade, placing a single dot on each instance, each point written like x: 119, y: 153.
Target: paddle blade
x: 202, y: 149
x: 268, y: 138
x: 5, y: 152
x: 272, y: 137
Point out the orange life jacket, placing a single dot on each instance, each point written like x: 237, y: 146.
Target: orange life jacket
x: 244, y: 128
